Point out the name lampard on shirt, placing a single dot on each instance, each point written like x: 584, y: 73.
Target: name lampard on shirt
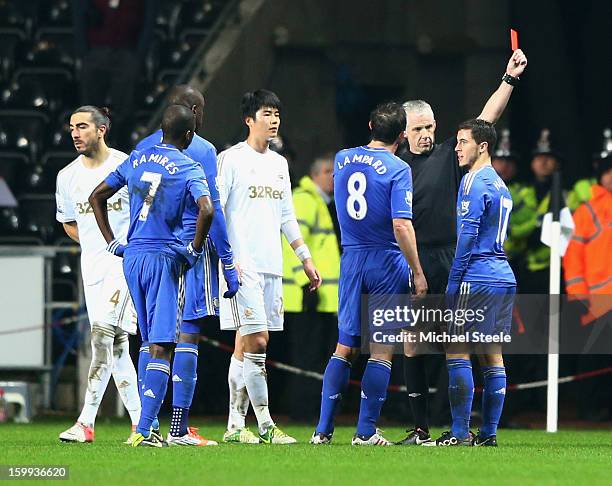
x: 160, y: 159
x: 378, y: 166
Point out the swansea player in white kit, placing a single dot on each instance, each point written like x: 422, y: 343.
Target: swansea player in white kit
x: 255, y: 193
x: 109, y: 306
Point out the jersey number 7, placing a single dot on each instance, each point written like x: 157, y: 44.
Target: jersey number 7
x: 155, y: 179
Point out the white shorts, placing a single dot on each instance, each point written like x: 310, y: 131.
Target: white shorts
x: 257, y: 307
x: 108, y: 301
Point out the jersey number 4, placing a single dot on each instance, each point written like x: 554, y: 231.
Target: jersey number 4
x: 155, y: 179
x: 356, y: 204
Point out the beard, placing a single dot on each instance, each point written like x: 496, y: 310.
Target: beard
x: 88, y: 150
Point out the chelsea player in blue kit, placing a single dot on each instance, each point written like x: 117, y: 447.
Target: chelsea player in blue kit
x: 482, y: 279
x: 201, y: 281
x: 373, y: 194
x: 161, y: 181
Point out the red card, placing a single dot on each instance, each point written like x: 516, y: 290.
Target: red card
x: 514, y: 39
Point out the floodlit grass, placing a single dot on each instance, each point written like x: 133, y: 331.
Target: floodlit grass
x: 524, y: 457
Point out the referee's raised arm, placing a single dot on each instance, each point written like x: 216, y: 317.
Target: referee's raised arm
x: 436, y: 177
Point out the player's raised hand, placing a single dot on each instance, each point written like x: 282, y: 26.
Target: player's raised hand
x: 313, y: 274
x: 116, y: 248
x: 420, y: 285
x: 188, y: 253
x: 517, y: 63
x: 232, y: 278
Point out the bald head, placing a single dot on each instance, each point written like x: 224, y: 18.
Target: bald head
x: 178, y: 126
x: 185, y: 95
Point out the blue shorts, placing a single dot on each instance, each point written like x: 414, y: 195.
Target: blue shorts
x: 201, y: 289
x: 157, y: 286
x: 367, y: 272
x: 483, y: 308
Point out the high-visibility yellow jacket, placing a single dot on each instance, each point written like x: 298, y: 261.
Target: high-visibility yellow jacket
x: 581, y: 192
x: 526, y: 217
x: 318, y: 232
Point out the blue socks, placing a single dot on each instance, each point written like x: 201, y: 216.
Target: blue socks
x: 373, y: 394
x: 143, y: 360
x: 460, y: 394
x: 335, y: 381
x: 184, y: 378
x: 155, y: 386
x: 493, y: 397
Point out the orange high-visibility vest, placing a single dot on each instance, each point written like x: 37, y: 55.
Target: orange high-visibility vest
x: 588, y: 260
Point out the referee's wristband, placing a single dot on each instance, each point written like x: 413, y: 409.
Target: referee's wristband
x: 302, y: 252
x: 511, y: 80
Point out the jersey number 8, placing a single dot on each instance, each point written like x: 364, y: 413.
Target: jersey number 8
x: 356, y: 204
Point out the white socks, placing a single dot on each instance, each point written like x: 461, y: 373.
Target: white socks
x: 102, y: 337
x: 110, y: 354
x: 124, y: 375
x: 239, y: 398
x: 257, y: 386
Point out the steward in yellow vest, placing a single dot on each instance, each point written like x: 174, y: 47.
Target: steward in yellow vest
x: 310, y: 204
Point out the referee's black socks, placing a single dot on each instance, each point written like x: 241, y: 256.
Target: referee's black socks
x: 417, y: 389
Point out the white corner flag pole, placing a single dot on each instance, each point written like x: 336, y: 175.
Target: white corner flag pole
x: 552, y: 395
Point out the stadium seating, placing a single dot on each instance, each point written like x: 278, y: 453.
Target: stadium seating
x: 38, y: 90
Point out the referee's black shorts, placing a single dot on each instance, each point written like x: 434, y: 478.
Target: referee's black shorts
x: 436, y: 261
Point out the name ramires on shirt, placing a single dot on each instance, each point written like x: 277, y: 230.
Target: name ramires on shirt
x: 171, y: 167
x: 377, y: 165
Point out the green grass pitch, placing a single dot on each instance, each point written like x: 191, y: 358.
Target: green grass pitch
x: 524, y: 457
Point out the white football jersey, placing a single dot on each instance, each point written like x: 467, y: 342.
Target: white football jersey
x: 255, y: 193
x: 75, y: 183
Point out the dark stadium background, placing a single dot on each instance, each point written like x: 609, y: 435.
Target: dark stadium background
x: 330, y: 62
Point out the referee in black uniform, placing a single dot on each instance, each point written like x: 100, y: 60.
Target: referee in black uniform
x: 436, y: 177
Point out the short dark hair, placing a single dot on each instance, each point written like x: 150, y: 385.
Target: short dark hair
x: 100, y: 116
x: 253, y: 101
x: 388, y: 121
x: 482, y: 131
x: 176, y: 121
x: 183, y: 94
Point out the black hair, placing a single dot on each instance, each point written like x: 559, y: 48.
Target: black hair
x: 186, y: 95
x: 176, y: 121
x: 388, y: 120
x: 100, y: 116
x: 253, y: 101
x: 603, y: 166
x: 482, y: 131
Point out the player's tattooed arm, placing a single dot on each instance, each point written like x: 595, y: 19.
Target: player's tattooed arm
x: 406, y: 239
x: 72, y: 230
x: 98, y: 199
x: 496, y: 104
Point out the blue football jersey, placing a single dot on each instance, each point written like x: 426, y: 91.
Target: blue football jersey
x: 484, y: 205
x: 204, y: 153
x: 371, y: 187
x: 161, y: 180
